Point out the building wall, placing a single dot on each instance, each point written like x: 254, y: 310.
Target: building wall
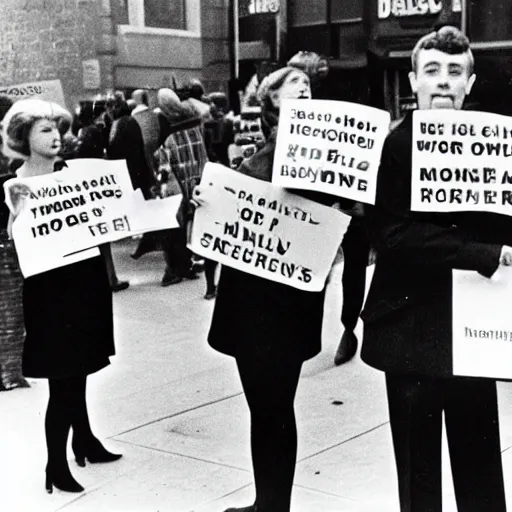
x: 157, y: 58
x: 48, y: 39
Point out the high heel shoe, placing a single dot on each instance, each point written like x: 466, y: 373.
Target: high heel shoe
x: 62, y: 480
x: 94, y: 452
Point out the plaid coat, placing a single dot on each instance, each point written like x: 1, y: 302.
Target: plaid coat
x: 182, y: 158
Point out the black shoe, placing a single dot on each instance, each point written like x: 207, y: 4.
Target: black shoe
x: 119, y: 286
x: 170, y: 279
x: 346, y: 349
x: 93, y: 451
x: 251, y: 508
x: 62, y: 479
x: 209, y: 295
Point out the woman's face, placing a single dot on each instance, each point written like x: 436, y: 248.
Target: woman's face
x: 44, y: 138
x: 295, y: 86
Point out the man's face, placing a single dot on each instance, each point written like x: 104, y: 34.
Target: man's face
x: 441, y: 80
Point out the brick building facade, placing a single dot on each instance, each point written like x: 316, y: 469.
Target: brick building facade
x: 94, y: 46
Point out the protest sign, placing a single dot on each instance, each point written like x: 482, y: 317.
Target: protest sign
x: 482, y: 324
x: 92, y: 202
x: 461, y: 162
x: 261, y: 229
x: 330, y: 146
x: 48, y: 90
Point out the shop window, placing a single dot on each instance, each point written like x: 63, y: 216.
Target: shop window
x: 163, y: 16
x: 307, y: 12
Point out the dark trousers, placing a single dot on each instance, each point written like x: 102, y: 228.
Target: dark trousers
x: 356, y: 250
x: 178, y: 257
x: 270, y: 387
x: 472, y: 428
x: 67, y: 408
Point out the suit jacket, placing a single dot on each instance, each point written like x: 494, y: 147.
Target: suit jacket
x: 408, y: 313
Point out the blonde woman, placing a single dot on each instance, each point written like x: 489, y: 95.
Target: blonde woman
x: 68, y: 310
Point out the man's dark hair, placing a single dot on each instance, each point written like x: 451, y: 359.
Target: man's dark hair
x: 447, y: 39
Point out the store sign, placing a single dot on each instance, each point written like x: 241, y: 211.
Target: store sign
x: 251, y: 7
x: 404, y: 8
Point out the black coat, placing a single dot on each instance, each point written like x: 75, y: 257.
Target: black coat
x: 256, y: 317
x: 126, y: 143
x: 408, y: 313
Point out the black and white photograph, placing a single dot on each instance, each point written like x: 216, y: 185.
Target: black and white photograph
x: 255, y: 255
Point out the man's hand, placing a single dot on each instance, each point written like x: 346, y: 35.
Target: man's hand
x: 506, y: 256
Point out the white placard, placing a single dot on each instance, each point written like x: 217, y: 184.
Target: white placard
x: 482, y: 324
x: 330, y: 146
x: 264, y: 230
x: 48, y: 90
x: 92, y: 202
x: 461, y: 161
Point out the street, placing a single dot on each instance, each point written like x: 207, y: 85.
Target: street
x: 174, y: 408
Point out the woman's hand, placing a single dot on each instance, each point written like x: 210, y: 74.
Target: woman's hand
x: 17, y: 193
x: 199, y: 196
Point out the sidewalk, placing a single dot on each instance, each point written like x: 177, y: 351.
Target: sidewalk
x: 175, y: 409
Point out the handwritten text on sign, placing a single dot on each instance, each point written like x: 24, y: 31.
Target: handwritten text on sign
x: 64, y: 211
x: 461, y: 162
x: 261, y: 229
x: 330, y: 146
x: 482, y: 343
x: 92, y: 202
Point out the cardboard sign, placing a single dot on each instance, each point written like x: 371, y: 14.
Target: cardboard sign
x: 48, y: 90
x: 264, y: 230
x: 330, y: 146
x: 482, y: 342
x: 461, y: 161
x: 92, y: 202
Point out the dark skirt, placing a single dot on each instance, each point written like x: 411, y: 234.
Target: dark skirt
x: 68, y: 321
x: 257, y: 317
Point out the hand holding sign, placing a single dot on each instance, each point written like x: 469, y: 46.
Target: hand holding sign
x: 261, y: 229
x: 506, y: 256
x: 15, y: 196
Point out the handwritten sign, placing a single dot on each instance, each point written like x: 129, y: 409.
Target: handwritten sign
x: 330, y: 146
x: 261, y: 229
x: 482, y: 343
x: 48, y: 90
x: 461, y: 162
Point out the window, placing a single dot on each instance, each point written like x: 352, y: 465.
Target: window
x: 178, y: 17
x: 165, y: 14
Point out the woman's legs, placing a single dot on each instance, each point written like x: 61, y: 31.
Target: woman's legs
x: 57, y: 425
x: 270, y: 387
x: 84, y: 443
x: 209, y: 273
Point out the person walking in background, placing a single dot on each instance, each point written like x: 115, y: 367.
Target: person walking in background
x: 150, y: 128
x: 272, y: 331
x: 68, y: 310
x: 408, y: 313
x: 126, y: 143
x: 181, y: 160
x: 90, y: 134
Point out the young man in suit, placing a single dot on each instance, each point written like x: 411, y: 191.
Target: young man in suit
x: 408, y: 312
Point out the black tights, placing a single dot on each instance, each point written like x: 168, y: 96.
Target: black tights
x: 269, y: 387
x: 209, y: 273
x: 67, y: 408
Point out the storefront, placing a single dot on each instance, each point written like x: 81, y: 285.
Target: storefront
x: 395, y: 25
